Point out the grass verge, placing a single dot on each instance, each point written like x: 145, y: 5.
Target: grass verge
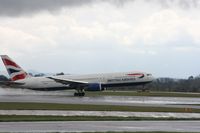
x: 140, y: 132
x: 17, y: 118
x: 87, y: 107
x: 135, y: 93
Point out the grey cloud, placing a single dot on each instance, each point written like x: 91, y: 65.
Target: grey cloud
x: 24, y: 7
x: 184, y: 4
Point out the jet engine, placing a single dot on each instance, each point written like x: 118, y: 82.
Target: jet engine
x: 94, y: 87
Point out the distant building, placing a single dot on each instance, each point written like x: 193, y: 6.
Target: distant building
x: 39, y: 75
x: 60, y: 74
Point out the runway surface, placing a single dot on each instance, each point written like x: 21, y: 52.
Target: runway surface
x: 99, y: 113
x: 65, y: 97
x: 106, y: 100
x: 89, y: 126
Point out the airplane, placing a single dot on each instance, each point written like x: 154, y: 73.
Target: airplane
x: 81, y: 83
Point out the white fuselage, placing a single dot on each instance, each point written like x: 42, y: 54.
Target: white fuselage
x: 106, y: 80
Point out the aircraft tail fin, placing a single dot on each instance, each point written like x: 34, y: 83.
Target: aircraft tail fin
x: 15, y: 71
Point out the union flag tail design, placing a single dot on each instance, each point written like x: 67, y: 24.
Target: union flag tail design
x: 14, y: 70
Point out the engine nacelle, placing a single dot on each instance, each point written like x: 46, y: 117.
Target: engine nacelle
x: 94, y: 87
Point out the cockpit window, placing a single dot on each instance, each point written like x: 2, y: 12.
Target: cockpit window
x: 149, y: 74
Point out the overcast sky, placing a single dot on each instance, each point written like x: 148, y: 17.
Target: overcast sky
x: 94, y: 36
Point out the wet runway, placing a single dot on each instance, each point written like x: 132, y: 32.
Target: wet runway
x: 100, y: 113
x: 106, y: 100
x: 91, y: 126
x: 13, y: 95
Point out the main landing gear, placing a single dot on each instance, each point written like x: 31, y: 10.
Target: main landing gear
x: 144, y: 89
x: 79, y: 93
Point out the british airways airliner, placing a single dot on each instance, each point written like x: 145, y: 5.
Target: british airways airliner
x: 81, y: 83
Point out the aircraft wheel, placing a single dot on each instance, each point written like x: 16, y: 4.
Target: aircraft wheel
x: 79, y: 94
x: 75, y: 94
x: 82, y: 94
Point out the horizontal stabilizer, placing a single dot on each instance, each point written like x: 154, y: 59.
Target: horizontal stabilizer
x: 10, y: 83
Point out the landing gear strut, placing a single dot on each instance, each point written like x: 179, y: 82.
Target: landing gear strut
x: 143, y: 89
x: 79, y: 93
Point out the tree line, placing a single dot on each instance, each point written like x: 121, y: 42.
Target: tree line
x: 192, y: 84
x: 176, y: 85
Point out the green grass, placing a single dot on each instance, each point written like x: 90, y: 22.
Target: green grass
x: 135, y: 93
x: 140, y: 132
x: 86, y: 107
x: 17, y: 118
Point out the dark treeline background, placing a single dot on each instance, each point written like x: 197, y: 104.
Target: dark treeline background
x: 178, y: 85
x: 192, y: 84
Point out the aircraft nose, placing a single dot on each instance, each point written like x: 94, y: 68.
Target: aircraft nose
x: 152, y: 78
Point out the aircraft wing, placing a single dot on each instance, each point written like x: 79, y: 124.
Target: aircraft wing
x: 69, y: 82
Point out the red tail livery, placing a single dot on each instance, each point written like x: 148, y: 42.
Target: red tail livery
x: 14, y: 70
